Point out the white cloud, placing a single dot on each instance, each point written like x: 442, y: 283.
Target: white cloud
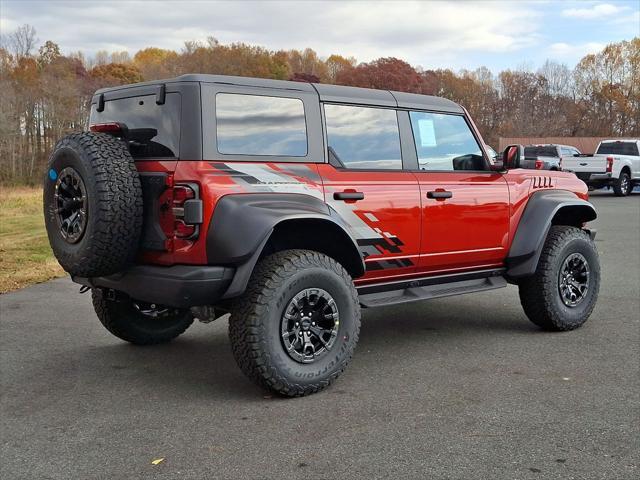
x: 565, y: 50
x: 427, y: 33
x: 596, y: 11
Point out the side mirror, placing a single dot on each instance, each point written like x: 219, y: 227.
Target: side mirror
x: 511, y: 156
x: 497, y: 165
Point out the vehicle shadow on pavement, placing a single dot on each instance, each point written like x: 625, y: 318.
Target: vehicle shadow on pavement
x: 200, y: 363
x: 192, y: 365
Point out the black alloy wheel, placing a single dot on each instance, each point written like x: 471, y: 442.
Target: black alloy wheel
x: 309, y: 325
x: 70, y: 197
x: 573, y: 280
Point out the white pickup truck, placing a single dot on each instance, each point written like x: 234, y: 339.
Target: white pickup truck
x: 616, y: 163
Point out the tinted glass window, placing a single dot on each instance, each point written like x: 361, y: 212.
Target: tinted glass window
x: 565, y: 151
x: 445, y: 142
x: 540, y: 151
x: 363, y: 137
x: 153, y: 131
x: 618, y: 148
x: 258, y: 125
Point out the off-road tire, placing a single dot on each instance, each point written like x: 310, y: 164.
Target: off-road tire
x: 114, y: 204
x: 618, y: 189
x: 539, y: 294
x: 123, y: 320
x: 254, y: 325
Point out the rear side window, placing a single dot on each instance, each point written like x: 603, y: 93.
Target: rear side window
x: 540, y: 151
x: 618, y: 148
x: 445, y: 142
x: 260, y: 125
x: 153, y: 131
x: 363, y: 137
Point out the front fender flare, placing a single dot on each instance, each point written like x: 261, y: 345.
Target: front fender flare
x: 539, y: 214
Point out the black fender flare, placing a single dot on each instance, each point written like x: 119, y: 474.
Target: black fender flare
x: 541, y: 210
x: 241, y: 225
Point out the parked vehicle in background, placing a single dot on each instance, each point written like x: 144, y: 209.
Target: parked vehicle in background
x: 291, y: 205
x: 616, y: 164
x: 547, y: 157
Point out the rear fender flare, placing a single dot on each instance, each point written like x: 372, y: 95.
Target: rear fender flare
x: 242, y: 224
x: 543, y: 210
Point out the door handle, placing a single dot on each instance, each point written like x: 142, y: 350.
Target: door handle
x: 439, y: 194
x: 348, y: 196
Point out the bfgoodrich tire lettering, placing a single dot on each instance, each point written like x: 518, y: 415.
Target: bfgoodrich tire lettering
x: 540, y: 294
x: 255, y: 323
x: 113, y: 204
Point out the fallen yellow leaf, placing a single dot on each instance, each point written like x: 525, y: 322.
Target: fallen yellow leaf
x: 157, y: 461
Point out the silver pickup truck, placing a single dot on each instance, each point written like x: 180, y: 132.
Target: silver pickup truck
x: 547, y: 156
x: 616, y: 163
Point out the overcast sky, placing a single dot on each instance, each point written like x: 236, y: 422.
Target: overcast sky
x: 455, y: 34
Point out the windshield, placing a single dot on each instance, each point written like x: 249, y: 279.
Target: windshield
x: 541, y: 151
x: 618, y: 148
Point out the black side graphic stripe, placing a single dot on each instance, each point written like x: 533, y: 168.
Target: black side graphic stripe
x: 226, y: 169
x: 380, y: 242
x: 385, y: 264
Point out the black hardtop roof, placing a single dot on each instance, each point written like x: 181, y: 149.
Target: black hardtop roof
x: 327, y: 93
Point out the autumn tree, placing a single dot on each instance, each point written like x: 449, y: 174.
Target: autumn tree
x: 45, y: 93
x: 155, y: 63
x: 337, y: 64
x: 113, y: 74
x: 384, y: 73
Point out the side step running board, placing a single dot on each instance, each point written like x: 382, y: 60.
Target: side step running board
x: 427, y: 292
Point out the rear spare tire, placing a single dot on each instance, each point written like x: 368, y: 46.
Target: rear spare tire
x: 92, y: 204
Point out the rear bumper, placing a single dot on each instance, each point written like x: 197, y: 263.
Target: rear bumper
x: 177, y: 286
x: 600, y: 178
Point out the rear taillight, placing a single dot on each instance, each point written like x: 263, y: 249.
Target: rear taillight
x: 112, y: 128
x: 539, y: 164
x: 609, y: 164
x: 187, y: 211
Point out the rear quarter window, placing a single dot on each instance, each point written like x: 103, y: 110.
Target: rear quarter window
x: 618, y: 148
x: 153, y: 130
x: 260, y: 125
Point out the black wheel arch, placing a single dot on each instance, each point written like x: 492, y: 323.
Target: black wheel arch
x: 245, y: 227
x: 544, y: 208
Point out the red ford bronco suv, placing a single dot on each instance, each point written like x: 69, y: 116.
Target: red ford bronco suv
x: 291, y: 206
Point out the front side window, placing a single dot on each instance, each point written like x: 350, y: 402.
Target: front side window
x: 363, y: 137
x: 445, y: 142
x: 260, y: 125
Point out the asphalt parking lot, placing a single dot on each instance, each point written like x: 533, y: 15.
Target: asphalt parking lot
x: 456, y: 388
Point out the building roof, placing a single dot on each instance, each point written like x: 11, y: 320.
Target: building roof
x: 327, y: 93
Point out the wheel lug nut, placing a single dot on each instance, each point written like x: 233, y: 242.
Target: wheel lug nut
x: 313, y: 323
